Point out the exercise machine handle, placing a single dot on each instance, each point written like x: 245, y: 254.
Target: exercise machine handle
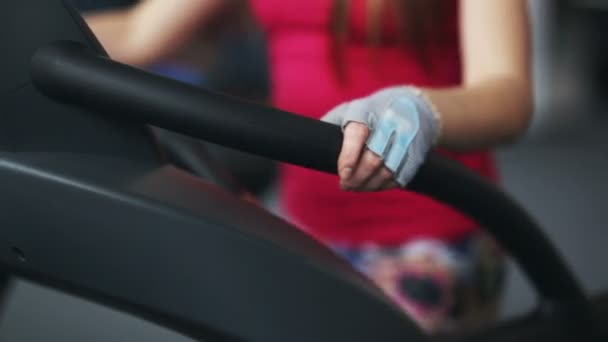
x: 71, y: 73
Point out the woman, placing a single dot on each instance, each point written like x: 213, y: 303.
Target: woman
x: 400, y: 77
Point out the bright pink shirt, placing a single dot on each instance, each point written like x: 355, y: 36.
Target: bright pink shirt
x: 305, y: 82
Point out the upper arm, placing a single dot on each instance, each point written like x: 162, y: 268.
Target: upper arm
x: 495, y: 39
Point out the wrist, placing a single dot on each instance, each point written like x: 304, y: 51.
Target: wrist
x: 429, y: 106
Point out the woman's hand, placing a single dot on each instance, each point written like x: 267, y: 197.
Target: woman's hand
x: 386, y: 138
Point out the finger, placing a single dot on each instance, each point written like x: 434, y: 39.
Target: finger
x: 368, y: 166
x: 355, y: 136
x: 377, y: 182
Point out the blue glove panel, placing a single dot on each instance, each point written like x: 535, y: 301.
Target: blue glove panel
x: 394, y: 133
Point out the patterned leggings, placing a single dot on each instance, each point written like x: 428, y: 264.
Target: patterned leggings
x: 444, y: 287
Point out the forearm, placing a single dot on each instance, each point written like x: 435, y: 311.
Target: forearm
x: 483, y: 115
x: 126, y: 39
x: 110, y: 28
x: 153, y: 30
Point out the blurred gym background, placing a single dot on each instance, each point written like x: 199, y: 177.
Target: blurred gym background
x: 557, y: 171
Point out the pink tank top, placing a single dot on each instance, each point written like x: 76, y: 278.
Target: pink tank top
x: 304, y: 82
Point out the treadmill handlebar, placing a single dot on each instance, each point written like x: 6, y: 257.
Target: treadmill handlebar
x: 69, y: 72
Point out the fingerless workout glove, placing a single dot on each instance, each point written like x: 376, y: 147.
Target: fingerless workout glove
x: 403, y: 127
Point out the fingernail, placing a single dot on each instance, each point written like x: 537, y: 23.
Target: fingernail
x: 346, y: 173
